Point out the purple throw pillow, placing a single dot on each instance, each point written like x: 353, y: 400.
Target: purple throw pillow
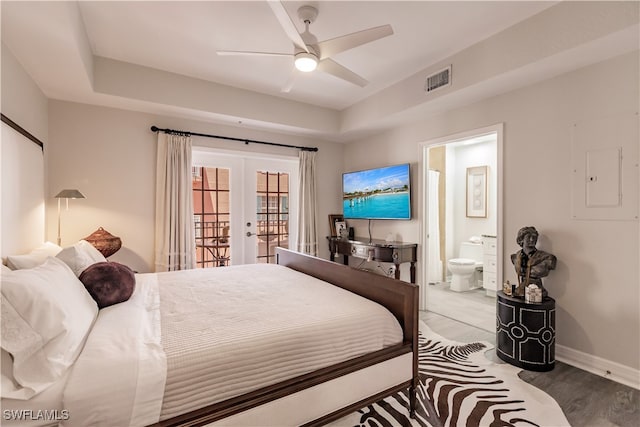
x: 108, y: 283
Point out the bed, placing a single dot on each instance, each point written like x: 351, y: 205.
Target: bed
x: 300, y: 346
x: 151, y: 383
x: 290, y: 398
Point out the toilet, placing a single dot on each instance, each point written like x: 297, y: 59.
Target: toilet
x: 463, y: 269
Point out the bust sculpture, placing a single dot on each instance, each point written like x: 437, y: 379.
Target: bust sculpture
x: 530, y: 263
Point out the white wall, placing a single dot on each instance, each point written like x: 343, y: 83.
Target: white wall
x: 110, y: 155
x: 596, y: 283
x: 22, y: 188
x: 462, y: 227
x: 22, y: 177
x: 22, y: 100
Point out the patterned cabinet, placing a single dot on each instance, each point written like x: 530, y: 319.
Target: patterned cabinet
x: 526, y: 333
x: 490, y: 264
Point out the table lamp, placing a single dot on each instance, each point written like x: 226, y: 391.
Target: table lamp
x: 66, y: 194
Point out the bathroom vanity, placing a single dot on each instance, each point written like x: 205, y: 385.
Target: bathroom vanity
x: 490, y: 264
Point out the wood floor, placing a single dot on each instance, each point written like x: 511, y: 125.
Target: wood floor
x: 472, y: 307
x: 587, y: 400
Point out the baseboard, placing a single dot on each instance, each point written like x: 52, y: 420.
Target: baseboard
x: 599, y: 366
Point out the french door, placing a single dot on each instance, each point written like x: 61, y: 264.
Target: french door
x: 245, y: 206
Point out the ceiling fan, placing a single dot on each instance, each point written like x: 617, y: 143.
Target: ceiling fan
x: 309, y: 54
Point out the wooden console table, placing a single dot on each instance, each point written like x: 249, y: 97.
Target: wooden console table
x: 376, y: 250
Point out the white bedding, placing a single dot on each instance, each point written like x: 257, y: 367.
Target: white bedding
x: 118, y: 379
x: 43, y: 409
x: 222, y: 335
x: 246, y: 327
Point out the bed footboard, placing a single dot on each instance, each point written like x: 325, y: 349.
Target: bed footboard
x: 400, y: 298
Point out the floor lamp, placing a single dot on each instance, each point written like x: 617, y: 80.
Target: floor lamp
x: 66, y: 194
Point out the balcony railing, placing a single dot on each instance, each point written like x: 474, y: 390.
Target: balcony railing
x: 213, y: 241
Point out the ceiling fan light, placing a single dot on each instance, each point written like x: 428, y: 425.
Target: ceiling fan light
x: 306, y: 62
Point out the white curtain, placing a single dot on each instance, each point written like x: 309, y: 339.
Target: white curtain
x: 307, y: 224
x: 435, y: 263
x: 175, y: 236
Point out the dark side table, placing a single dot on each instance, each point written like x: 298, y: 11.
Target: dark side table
x: 526, y: 333
x: 376, y: 250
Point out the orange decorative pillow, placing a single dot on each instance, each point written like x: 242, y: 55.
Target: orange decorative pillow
x: 109, y: 283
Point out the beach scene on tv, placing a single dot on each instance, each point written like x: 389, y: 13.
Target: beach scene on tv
x: 381, y: 193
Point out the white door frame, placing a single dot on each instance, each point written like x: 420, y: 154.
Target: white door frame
x: 243, y: 202
x: 499, y: 130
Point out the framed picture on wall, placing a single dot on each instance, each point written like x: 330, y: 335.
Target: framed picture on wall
x: 332, y: 224
x: 477, y: 192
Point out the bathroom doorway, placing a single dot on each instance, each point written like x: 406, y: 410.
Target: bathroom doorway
x: 462, y: 184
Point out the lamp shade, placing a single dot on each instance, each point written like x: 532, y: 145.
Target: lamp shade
x: 66, y: 194
x: 70, y: 194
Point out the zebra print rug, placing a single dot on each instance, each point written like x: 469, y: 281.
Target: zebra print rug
x: 459, y: 386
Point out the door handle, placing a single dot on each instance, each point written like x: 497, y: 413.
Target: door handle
x: 249, y: 234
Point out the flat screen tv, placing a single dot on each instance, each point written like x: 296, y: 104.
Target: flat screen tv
x: 380, y: 193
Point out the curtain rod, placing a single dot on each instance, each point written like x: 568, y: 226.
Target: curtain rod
x: 21, y: 130
x: 246, y: 141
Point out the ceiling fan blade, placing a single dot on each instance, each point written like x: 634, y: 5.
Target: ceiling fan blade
x: 332, y: 67
x: 249, y: 53
x: 334, y: 46
x: 287, y: 24
x: 290, y: 81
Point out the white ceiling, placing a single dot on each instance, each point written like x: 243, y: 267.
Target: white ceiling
x: 73, y: 50
x: 183, y: 37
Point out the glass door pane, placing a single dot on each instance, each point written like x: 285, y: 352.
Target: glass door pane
x: 245, y: 205
x: 272, y: 214
x: 211, y: 212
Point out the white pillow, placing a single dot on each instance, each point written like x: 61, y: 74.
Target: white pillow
x: 33, y: 258
x: 46, y: 315
x: 80, y: 256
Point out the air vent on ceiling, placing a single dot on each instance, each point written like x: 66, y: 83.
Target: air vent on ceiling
x: 438, y: 80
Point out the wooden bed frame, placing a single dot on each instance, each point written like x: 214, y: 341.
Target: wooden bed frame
x: 400, y: 298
